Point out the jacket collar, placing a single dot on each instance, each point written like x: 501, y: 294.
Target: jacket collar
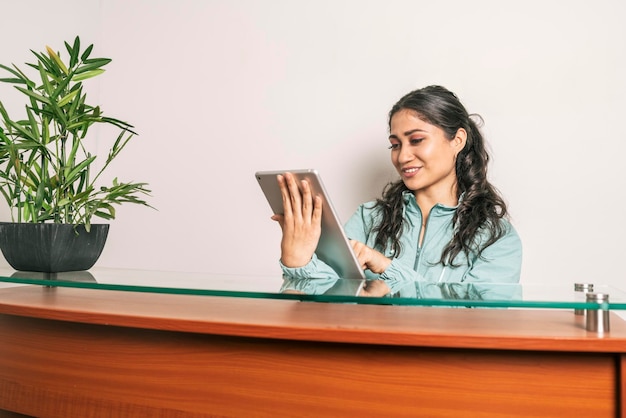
x: 438, y: 210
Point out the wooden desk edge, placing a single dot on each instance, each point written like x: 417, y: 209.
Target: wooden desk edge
x: 500, y: 329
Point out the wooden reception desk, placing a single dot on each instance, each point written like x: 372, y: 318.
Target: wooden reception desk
x: 84, y: 353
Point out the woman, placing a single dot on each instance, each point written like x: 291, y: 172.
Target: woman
x: 442, y: 224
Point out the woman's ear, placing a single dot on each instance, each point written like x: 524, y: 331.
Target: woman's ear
x: 459, y: 140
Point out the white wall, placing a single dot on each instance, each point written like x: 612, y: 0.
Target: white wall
x: 219, y: 89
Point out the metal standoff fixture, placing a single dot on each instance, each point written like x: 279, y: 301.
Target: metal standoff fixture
x: 581, y: 289
x: 598, y: 319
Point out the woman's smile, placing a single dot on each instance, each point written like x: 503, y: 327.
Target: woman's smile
x: 409, y: 172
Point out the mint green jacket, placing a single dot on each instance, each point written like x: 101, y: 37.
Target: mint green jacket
x: 416, y: 271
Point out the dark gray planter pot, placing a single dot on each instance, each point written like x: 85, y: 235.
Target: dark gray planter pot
x: 51, y: 247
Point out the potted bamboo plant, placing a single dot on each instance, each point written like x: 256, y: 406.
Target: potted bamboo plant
x: 49, y: 175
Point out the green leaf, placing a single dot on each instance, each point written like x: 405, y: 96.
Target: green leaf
x: 86, y: 53
x: 41, y: 188
x: 23, y: 130
x: 92, y: 65
x: 12, y: 71
x: 104, y: 215
x: 57, y: 59
x: 13, y: 80
x: 72, y: 156
x: 68, y: 98
x: 19, y: 78
x: 53, y: 69
x: 44, y: 79
x: 34, y: 95
x: 75, y: 103
x: 61, y: 87
x: 4, y: 113
x: 84, y: 178
x: 26, y: 212
x: 68, y: 48
x: 5, y: 139
x: 120, y: 124
x: 6, y: 195
x: 45, y: 131
x: 19, y: 74
x: 59, y: 116
x: 34, y: 126
x: 88, y: 74
x: 110, y: 211
x: 74, y: 52
x: 72, y: 175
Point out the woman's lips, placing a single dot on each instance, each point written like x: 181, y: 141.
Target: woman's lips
x: 410, y: 171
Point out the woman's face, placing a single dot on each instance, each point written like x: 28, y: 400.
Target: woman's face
x: 423, y: 155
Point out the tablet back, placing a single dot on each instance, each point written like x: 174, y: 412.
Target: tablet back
x: 333, y: 248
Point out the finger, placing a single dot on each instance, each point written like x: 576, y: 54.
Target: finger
x: 316, y: 216
x: 284, y: 191
x: 307, y: 200
x: 357, y: 248
x: 295, y: 195
x: 280, y: 219
x: 363, y: 253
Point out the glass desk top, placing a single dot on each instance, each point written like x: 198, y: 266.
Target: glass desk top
x: 524, y: 295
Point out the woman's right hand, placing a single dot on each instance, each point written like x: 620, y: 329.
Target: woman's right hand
x: 301, y: 222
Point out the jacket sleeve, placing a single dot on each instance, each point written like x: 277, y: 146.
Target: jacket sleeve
x: 399, y: 276
x: 314, y: 278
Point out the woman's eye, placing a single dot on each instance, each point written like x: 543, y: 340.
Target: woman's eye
x: 415, y: 141
x: 394, y: 146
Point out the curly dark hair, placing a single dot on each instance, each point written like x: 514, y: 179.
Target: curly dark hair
x: 481, y: 209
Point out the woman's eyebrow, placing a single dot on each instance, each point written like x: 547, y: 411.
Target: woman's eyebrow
x: 407, y: 133
x: 412, y: 131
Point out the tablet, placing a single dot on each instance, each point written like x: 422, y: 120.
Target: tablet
x: 333, y: 247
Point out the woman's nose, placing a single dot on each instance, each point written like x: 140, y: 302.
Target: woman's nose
x: 405, y: 155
